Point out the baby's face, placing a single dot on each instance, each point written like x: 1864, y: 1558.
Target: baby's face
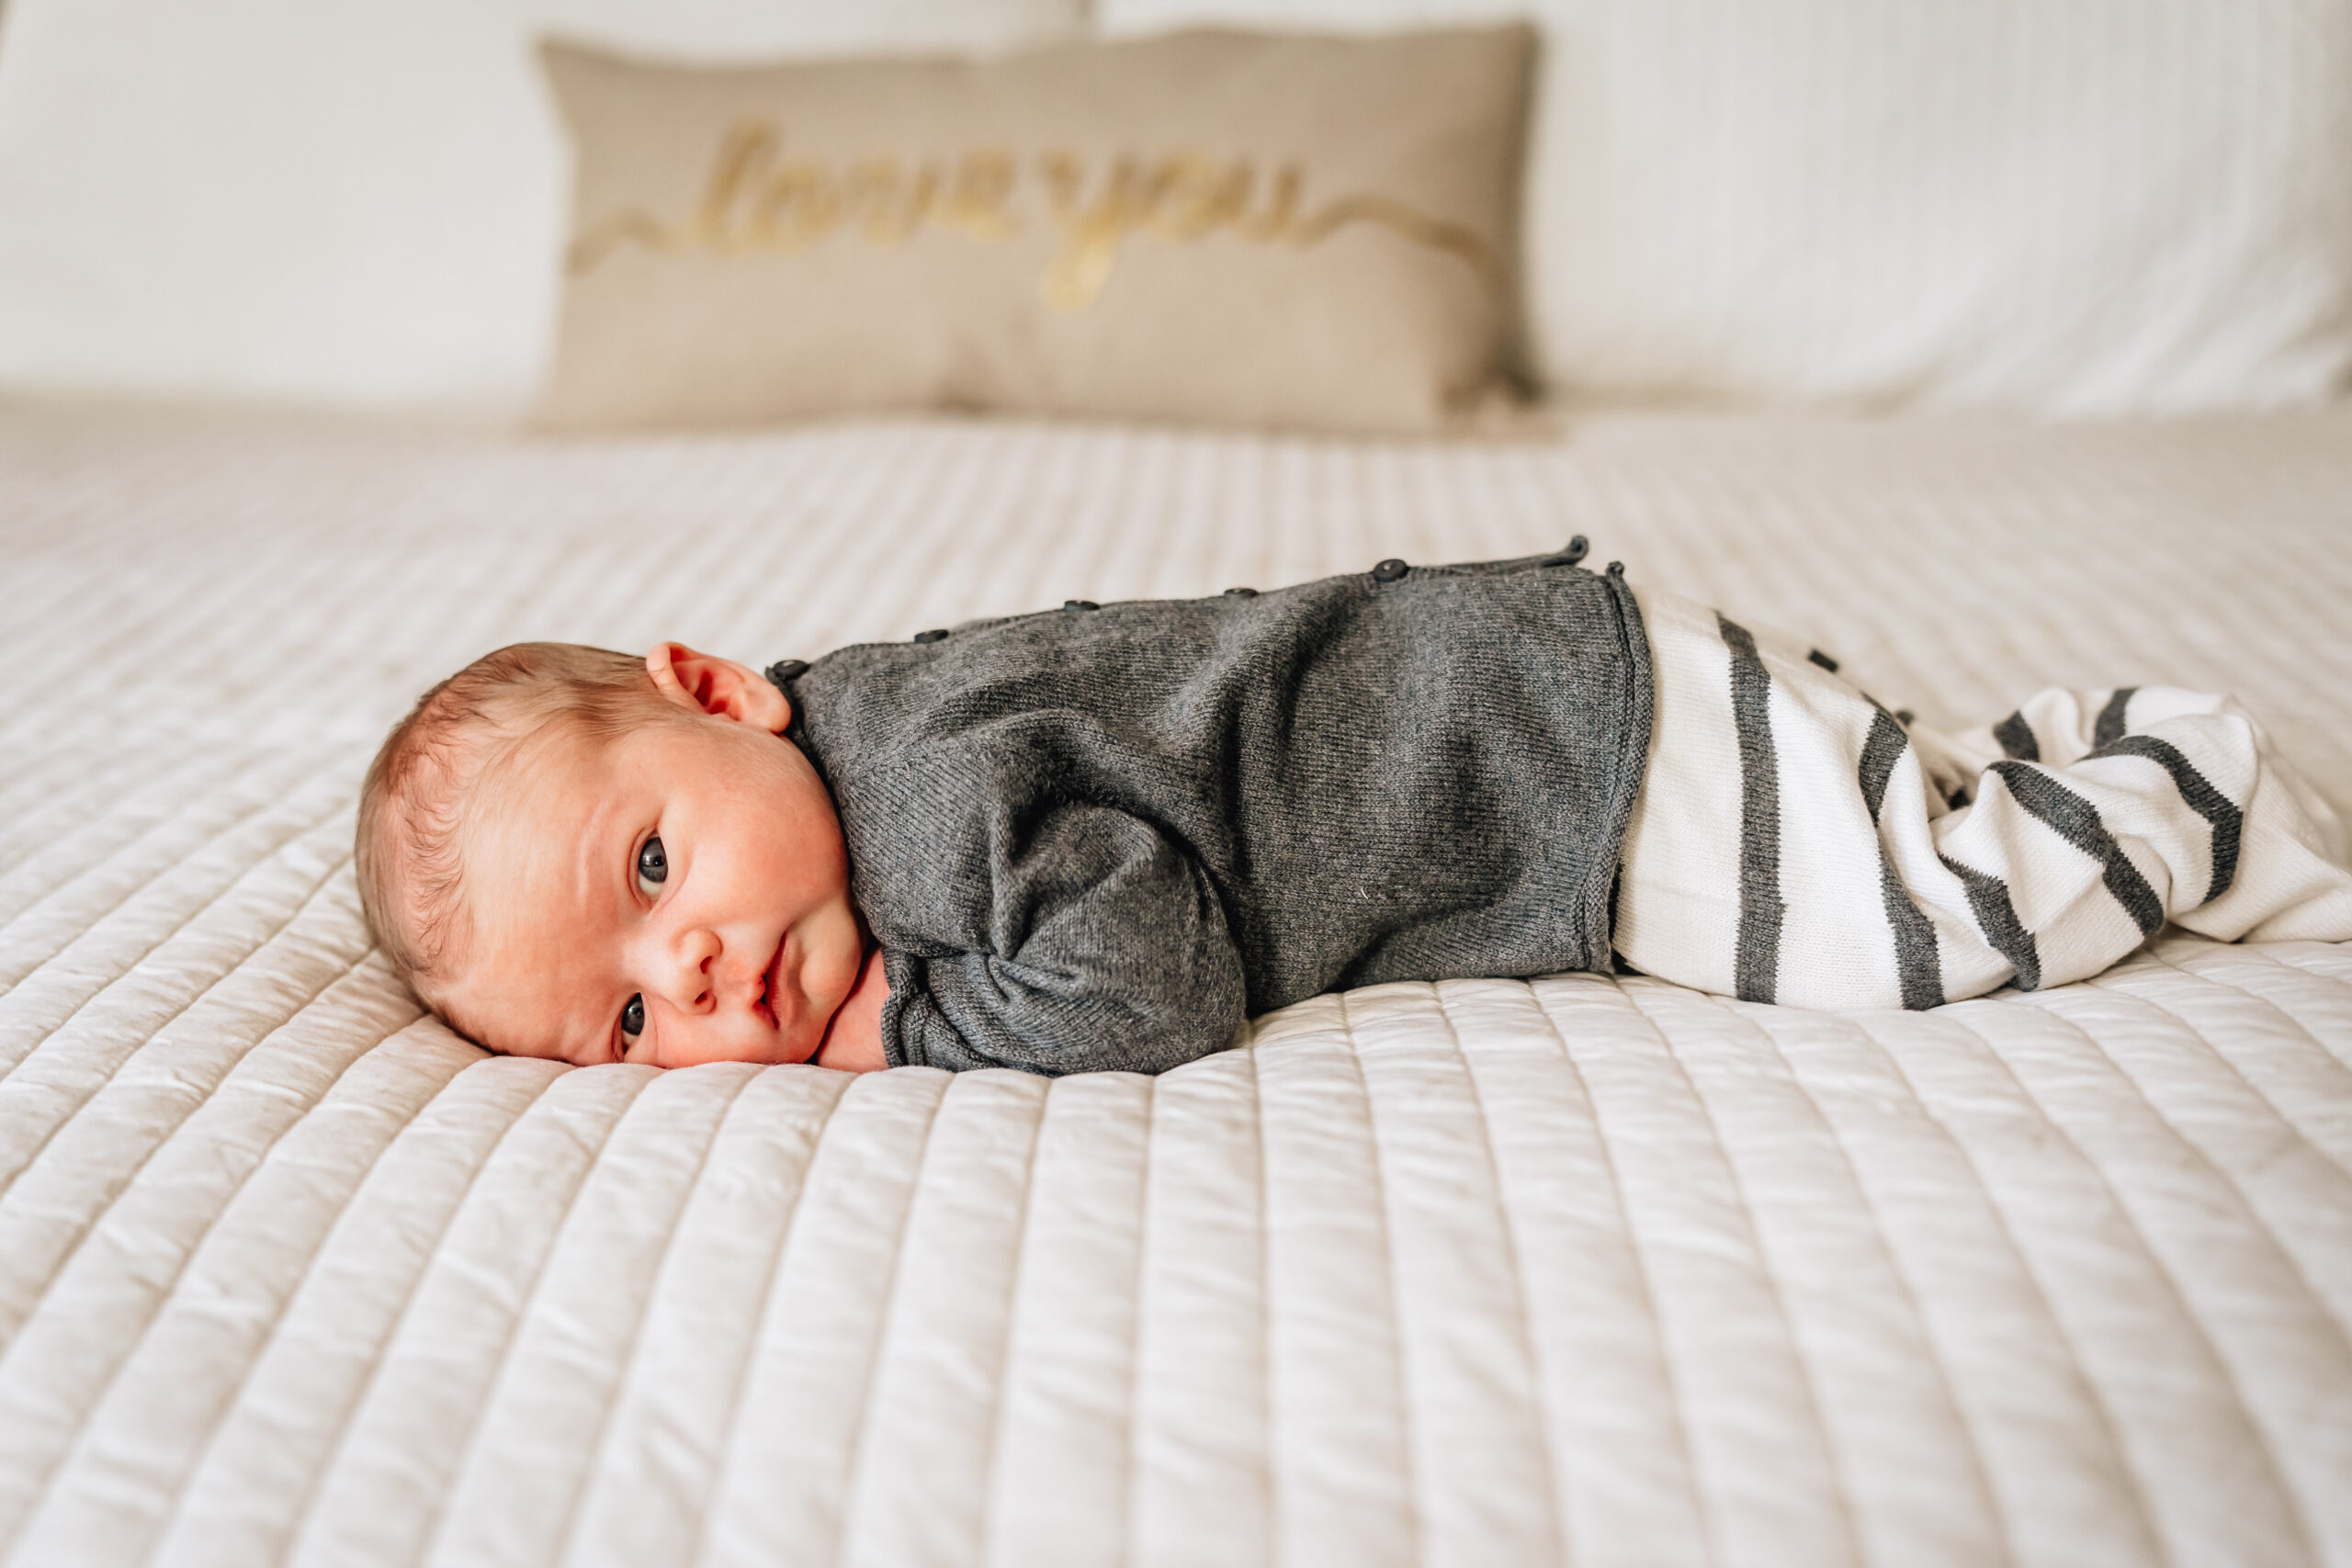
x: 677, y: 896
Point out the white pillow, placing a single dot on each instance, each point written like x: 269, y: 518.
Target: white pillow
x: 347, y: 201
x: 2082, y: 206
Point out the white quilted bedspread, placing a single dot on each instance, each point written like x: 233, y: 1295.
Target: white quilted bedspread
x: 1585, y: 1270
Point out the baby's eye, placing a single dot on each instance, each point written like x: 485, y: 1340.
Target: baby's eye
x: 653, y: 867
x: 633, y: 1017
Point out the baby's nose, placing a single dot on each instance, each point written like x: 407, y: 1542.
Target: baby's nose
x: 696, y: 956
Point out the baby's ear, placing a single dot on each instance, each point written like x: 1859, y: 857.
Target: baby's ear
x: 708, y: 683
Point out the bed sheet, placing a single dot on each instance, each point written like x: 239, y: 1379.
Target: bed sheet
x: 1585, y: 1270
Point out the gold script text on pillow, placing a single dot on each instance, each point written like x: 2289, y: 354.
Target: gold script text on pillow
x: 755, y: 201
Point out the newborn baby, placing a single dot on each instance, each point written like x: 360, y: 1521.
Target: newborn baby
x: 1096, y: 837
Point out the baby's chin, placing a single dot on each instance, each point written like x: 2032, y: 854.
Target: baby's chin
x: 801, y: 1046
x: 803, y: 1043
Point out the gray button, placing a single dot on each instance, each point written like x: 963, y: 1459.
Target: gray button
x: 936, y: 634
x: 1389, y: 571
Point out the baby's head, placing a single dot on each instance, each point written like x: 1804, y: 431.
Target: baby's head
x: 573, y: 853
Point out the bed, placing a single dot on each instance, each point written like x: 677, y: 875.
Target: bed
x: 1580, y: 1269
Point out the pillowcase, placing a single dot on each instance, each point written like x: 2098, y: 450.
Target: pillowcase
x: 1212, y: 226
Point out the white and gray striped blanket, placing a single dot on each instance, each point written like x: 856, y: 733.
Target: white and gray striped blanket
x: 1796, y: 841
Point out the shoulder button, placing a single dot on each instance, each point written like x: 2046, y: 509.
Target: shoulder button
x: 784, y: 670
x: 1241, y: 593
x: 1080, y: 604
x: 1389, y: 571
x: 936, y: 634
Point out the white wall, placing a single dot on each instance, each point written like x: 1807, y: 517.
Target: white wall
x: 346, y: 201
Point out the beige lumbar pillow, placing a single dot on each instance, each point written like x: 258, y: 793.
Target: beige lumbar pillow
x: 1238, y: 228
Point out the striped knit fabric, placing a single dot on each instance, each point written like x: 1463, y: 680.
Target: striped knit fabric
x: 1795, y: 841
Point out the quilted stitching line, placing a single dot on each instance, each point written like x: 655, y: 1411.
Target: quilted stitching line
x: 2113, y: 986
x: 814, y: 517
x: 1553, y: 1503
x: 206, y: 592
x: 185, y: 788
x: 906, y: 477
x: 269, y: 855
x: 879, y: 1322
x: 2108, y: 983
x: 1107, y: 543
x: 732, y: 1419
x: 1641, y: 1268
x: 1894, y: 1262
x: 1134, y: 1342
x: 269, y: 1335
x: 1415, y: 1482
x: 436, y: 1509
x: 59, y: 783
x: 76, y: 823
x: 927, y: 481
x: 2261, y: 1227
x: 2190, y: 1144
x: 158, y: 1299
x: 1772, y: 1282
x: 34, y: 778
x: 2290, y: 955
x: 1056, y: 547
x: 203, y: 1448
x: 2341, y: 1057
x: 1259, y: 483
x: 636, y: 1334
x: 235, y: 882
x: 822, y: 502
x: 332, y: 1450
x: 698, y: 548
x: 995, y: 1439
x: 129, y: 1175
x: 199, y: 602
x: 1159, y: 549
x: 1266, y: 1305
x: 2098, y: 1402
x: 301, y: 909
x: 2285, y: 953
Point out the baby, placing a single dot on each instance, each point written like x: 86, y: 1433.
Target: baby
x: 1099, y: 836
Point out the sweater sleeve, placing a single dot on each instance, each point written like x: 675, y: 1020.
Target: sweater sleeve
x: 1110, y: 953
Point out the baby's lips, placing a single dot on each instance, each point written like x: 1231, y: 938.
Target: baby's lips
x: 769, y: 977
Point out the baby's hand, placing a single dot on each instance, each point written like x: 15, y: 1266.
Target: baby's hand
x: 852, y: 1042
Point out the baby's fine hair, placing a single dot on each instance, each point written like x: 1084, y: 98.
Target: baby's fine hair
x: 429, y: 773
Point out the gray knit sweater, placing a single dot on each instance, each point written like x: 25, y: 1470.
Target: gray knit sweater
x: 1095, y: 839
